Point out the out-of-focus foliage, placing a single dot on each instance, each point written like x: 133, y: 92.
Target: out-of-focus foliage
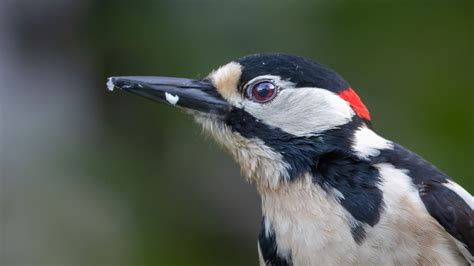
x: 97, y: 178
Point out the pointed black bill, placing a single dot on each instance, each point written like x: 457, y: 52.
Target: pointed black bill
x: 191, y: 94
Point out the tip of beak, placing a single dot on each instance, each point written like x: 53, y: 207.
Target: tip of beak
x: 110, y: 84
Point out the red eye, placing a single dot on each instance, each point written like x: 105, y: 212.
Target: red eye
x: 263, y: 91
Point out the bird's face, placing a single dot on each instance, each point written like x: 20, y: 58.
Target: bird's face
x: 273, y: 112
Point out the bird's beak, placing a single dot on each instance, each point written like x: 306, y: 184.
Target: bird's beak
x: 198, y: 95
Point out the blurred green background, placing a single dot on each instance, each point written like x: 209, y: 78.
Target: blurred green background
x: 90, y: 177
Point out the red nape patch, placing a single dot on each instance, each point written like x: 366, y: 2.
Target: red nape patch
x: 353, y: 99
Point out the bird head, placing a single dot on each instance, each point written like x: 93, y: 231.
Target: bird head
x: 277, y: 114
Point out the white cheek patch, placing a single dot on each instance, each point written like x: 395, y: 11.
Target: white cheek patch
x: 302, y: 111
x: 367, y: 143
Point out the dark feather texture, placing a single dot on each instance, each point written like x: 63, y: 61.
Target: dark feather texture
x: 299, y: 70
x: 327, y: 157
x: 269, y: 248
x: 447, y: 207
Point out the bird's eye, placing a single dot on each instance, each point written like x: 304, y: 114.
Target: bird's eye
x: 262, y: 92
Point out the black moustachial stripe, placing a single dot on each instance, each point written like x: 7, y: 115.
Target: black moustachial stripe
x: 298, y: 152
x: 447, y: 207
x: 301, y: 71
x: 301, y: 153
x: 269, y: 248
x: 326, y: 157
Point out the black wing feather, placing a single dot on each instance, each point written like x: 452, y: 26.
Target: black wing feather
x: 451, y: 211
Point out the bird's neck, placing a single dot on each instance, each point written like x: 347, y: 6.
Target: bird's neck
x: 354, y: 142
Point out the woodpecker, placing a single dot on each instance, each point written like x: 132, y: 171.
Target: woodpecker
x: 333, y: 192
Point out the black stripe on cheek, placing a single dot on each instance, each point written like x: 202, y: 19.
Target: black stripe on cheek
x: 269, y: 248
x: 298, y: 152
x: 301, y: 153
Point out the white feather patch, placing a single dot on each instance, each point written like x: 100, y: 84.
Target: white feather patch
x: 302, y: 111
x: 309, y: 224
x: 367, y: 143
x: 407, y: 226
